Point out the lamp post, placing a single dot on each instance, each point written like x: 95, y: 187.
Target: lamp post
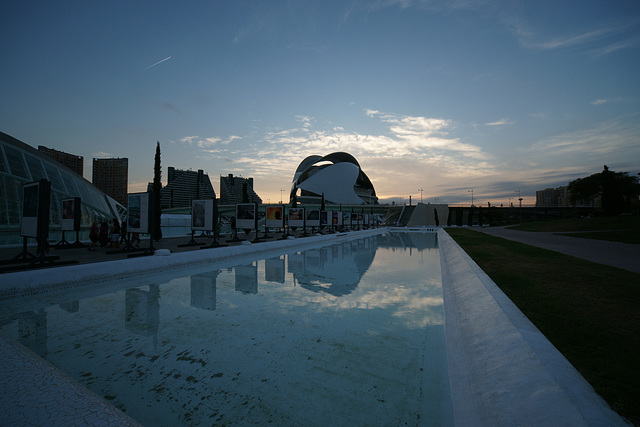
x: 420, y: 190
x: 520, y: 205
x: 281, y: 190
x: 471, y: 191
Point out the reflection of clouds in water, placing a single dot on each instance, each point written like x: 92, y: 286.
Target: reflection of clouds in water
x: 415, y: 310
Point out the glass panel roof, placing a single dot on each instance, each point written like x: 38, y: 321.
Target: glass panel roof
x: 35, y: 166
x: 3, y: 168
x: 16, y: 162
x: 54, y: 177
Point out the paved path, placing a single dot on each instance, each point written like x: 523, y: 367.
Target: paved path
x: 615, y: 254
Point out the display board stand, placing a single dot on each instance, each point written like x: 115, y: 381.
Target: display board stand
x: 140, y: 219
x: 191, y: 242
x: 36, y: 202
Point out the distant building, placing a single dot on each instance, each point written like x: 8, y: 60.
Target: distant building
x: 184, y: 186
x: 232, y: 187
x: 112, y: 176
x: 553, y: 197
x: 73, y: 162
x: 561, y: 198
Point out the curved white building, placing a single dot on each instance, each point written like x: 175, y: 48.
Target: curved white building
x: 338, y: 176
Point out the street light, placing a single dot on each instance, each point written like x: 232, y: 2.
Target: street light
x: 471, y: 191
x: 420, y: 190
x: 281, y: 190
x: 519, y: 198
x: 520, y: 206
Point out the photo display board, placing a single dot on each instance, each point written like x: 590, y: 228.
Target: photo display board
x: 324, y: 218
x: 313, y: 218
x: 138, y: 213
x: 247, y: 216
x: 202, y: 215
x: 275, y: 216
x: 36, y: 201
x: 346, y: 218
x: 337, y: 218
x: 296, y: 217
x: 71, y: 214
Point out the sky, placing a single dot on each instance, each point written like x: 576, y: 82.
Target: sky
x: 437, y: 100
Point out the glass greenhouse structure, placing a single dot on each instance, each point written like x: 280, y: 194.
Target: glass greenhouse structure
x: 21, y: 164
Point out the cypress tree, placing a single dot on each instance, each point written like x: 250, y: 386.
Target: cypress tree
x: 157, y: 192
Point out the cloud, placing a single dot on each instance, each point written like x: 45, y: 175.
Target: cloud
x: 101, y: 154
x: 572, y: 40
x: 170, y: 106
x: 208, y: 142
x: 418, y: 150
x: 617, y: 138
x: 159, y: 62
x: 501, y: 122
x: 188, y: 139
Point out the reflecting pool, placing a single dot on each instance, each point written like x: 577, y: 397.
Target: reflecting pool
x: 349, y: 333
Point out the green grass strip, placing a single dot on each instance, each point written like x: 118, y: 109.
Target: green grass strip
x: 590, y: 312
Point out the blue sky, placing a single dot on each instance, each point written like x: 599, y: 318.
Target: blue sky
x: 444, y: 96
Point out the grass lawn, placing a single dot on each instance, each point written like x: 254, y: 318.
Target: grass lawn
x: 588, y: 311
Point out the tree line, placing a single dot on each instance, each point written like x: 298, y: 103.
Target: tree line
x: 617, y: 190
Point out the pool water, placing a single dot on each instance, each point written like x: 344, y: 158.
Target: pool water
x: 350, y: 333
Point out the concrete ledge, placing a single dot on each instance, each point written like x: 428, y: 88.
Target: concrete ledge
x: 502, y: 370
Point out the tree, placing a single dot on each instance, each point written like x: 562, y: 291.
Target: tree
x: 157, y: 192
x: 616, y: 190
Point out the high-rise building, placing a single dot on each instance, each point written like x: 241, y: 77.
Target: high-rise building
x: 553, y: 197
x: 232, y: 189
x: 73, y: 162
x: 184, y: 186
x: 112, y: 176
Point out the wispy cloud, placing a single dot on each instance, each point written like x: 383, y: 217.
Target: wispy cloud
x: 159, y: 62
x: 596, y: 42
x: 570, y: 40
x: 501, y: 122
x: 207, y: 142
x: 610, y: 138
x: 100, y: 154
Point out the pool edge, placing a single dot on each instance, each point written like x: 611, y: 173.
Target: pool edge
x: 502, y: 369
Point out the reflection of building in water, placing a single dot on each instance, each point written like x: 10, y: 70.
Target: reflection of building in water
x: 247, y: 278
x: 274, y: 270
x: 32, y: 327
x: 203, y: 290
x: 142, y: 311
x: 335, y: 269
x: 419, y: 241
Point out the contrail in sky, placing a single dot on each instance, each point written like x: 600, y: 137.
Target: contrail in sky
x: 159, y: 62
